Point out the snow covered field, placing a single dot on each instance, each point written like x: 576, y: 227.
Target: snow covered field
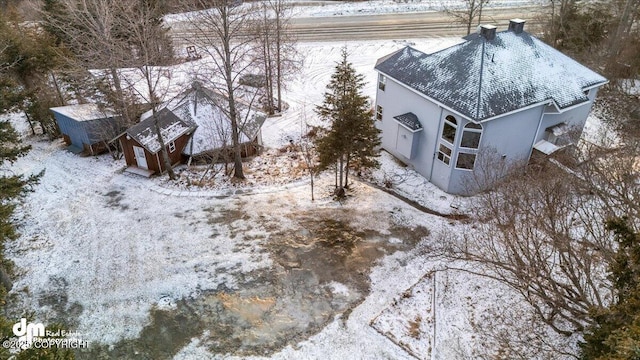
x: 110, y: 253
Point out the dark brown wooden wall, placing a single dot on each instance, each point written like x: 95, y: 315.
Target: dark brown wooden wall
x: 152, y: 159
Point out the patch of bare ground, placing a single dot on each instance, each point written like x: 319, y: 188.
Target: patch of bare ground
x: 321, y: 266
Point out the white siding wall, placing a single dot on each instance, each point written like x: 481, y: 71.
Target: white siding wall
x: 404, y: 142
x: 397, y: 100
x: 511, y: 135
x: 575, y: 117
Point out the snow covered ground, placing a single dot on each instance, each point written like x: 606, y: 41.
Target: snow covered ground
x: 104, y: 250
x: 306, y: 89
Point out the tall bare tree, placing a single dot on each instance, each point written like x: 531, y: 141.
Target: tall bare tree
x: 629, y: 13
x: 469, y: 11
x: 223, y: 33
x: 266, y: 34
x: 141, y: 19
x: 542, y: 232
x: 278, y: 47
x: 91, y: 31
x: 111, y: 35
x: 308, y: 149
x: 623, y: 51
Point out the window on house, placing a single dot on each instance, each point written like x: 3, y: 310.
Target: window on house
x: 471, y: 136
x: 172, y: 146
x: 444, y: 154
x: 466, y: 161
x: 379, y: 112
x: 382, y: 81
x: 449, y: 129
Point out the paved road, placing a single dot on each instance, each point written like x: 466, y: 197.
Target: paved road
x: 396, y: 26
x: 383, y: 26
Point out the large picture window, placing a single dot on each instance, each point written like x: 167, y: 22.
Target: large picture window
x: 471, y: 136
x: 449, y: 129
x: 444, y: 154
x: 466, y: 161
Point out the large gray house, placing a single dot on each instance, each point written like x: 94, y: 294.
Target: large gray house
x: 504, y: 93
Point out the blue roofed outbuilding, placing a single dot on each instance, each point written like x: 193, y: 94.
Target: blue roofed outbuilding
x: 86, y: 127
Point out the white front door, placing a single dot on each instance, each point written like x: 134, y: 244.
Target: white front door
x: 141, y: 159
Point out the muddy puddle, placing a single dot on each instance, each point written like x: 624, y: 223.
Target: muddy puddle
x: 321, y: 270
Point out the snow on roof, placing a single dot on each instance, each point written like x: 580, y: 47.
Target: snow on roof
x: 171, y: 128
x: 204, y: 108
x: 410, y: 120
x: 482, y: 79
x: 83, y: 112
x: 166, y: 81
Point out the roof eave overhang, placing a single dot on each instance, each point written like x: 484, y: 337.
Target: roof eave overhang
x: 188, y: 131
x: 117, y: 137
x: 541, y: 103
x: 571, y: 107
x: 408, y: 128
x: 596, y: 85
x: 477, y: 121
x: 545, y: 103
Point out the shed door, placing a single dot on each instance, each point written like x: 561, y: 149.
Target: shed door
x: 141, y: 159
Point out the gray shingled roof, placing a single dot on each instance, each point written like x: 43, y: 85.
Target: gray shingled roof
x: 410, y: 120
x: 203, y: 107
x: 171, y: 128
x: 482, y: 79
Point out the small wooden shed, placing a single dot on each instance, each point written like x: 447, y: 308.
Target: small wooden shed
x: 141, y: 147
x: 86, y: 127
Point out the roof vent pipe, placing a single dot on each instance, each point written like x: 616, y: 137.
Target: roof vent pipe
x: 516, y: 25
x: 488, y: 31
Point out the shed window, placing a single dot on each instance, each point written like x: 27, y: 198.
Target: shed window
x: 379, y: 112
x: 172, y: 146
x: 382, y: 81
x: 449, y: 129
x: 466, y: 161
x: 444, y: 154
x: 471, y: 136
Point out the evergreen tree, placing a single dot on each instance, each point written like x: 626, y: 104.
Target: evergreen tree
x: 13, y: 188
x: 27, y: 61
x: 16, y: 70
x: 616, y: 330
x: 352, y: 138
